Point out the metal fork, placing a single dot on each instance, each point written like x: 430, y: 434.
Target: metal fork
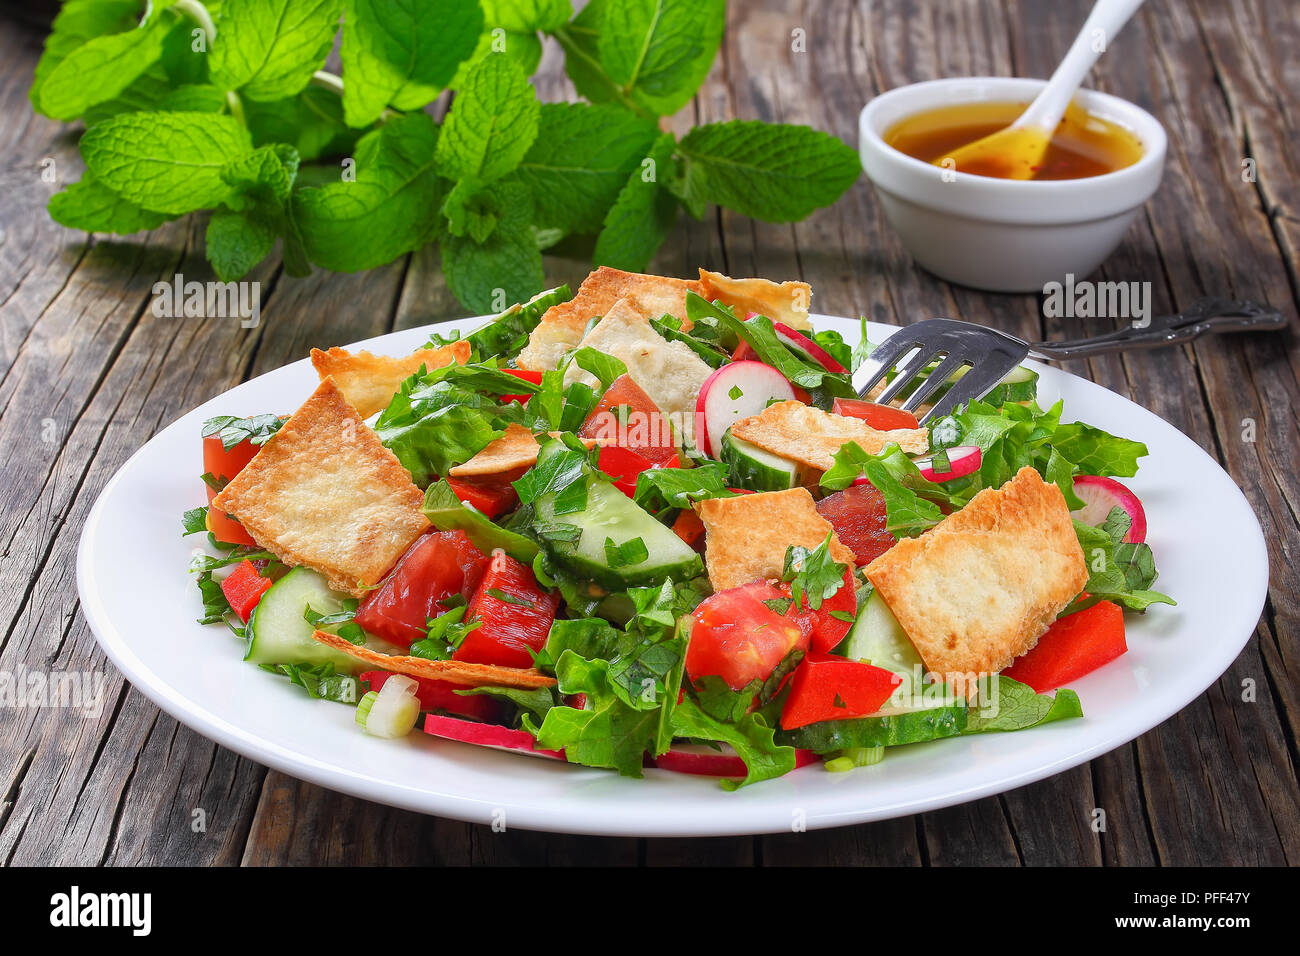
x: 991, y: 354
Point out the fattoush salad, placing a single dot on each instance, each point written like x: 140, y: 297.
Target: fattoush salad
x: 652, y: 524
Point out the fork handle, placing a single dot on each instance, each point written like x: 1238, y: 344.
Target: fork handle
x: 1202, y: 317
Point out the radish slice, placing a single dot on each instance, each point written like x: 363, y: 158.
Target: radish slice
x: 962, y: 461
x: 809, y: 349
x: 706, y: 762
x: 1100, y: 495
x: 486, y: 735
x: 731, y: 393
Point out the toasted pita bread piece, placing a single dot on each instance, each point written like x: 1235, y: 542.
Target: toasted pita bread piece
x: 325, y: 493
x: 515, y: 450
x: 562, y: 326
x: 746, y: 537
x: 785, y: 302
x: 667, y: 371
x: 811, y: 437
x: 369, y: 382
x: 978, y: 589
x: 459, y: 672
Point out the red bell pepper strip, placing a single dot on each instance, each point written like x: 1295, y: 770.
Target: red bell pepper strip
x: 882, y: 417
x: 1075, y: 645
x: 826, y: 687
x: 493, y: 498
x: 828, y: 624
x: 623, y: 466
x: 243, y: 588
x: 514, y: 614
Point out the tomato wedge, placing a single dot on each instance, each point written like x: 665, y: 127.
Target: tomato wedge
x: 643, y: 428
x: 826, y: 687
x: 514, y: 614
x: 441, y: 695
x: 736, y: 637
x: 436, y: 566
x: 882, y: 417
x: 858, y: 516
x: 223, y: 465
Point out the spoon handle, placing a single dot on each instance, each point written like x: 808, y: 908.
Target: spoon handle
x: 1099, y: 30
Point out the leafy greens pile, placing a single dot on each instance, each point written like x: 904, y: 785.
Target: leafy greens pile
x: 226, y: 107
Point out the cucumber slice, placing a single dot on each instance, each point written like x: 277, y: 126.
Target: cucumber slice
x: 279, y: 634
x: 756, y: 469
x: 612, y: 515
x: 879, y: 639
x: 888, y: 728
x: 446, y: 512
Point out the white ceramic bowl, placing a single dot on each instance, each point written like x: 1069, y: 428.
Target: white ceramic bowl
x: 999, y: 234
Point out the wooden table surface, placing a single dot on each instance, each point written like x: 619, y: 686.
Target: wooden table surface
x: 89, y: 374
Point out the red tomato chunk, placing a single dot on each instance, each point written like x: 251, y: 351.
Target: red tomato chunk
x: 514, y: 614
x: 737, y: 637
x: 438, y: 565
x: 642, y: 428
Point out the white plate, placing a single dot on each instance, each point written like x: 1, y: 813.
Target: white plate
x: 142, y: 605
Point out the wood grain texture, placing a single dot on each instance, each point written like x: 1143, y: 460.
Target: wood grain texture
x: 87, y: 374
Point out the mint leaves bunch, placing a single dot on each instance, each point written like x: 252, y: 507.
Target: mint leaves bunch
x: 227, y: 107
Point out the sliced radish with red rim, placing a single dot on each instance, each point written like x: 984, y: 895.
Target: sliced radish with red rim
x: 733, y: 392
x: 963, y: 460
x: 486, y: 735
x: 704, y: 761
x: 807, y: 348
x: 1101, y: 495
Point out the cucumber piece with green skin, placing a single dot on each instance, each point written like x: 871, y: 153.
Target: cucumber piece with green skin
x: 878, y: 638
x: 446, y: 512
x: 278, y: 633
x: 889, y: 727
x: 610, y: 514
x: 755, y: 469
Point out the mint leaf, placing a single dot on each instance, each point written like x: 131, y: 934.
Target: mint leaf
x: 507, y: 267
x: 777, y: 173
x: 524, y: 50
x: 813, y: 574
x: 237, y: 241
x: 658, y: 52
x: 493, y: 121
x: 526, y: 16
x: 78, y: 22
x: 350, y: 226
x: 402, y: 55
x: 98, y: 69
x: 165, y: 162
x: 642, y: 216
x: 266, y: 174
x: 268, y: 49
x: 91, y: 206
x: 311, y: 122
x: 580, y: 162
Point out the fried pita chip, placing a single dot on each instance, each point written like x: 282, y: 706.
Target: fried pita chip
x: 563, y: 325
x: 324, y: 492
x: 746, y: 537
x: 514, y: 450
x: 369, y: 382
x: 459, y: 672
x: 811, y: 437
x: 786, y: 303
x: 979, y: 588
x: 667, y: 371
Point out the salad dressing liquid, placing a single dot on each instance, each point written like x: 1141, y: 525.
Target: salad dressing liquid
x: 1083, y: 145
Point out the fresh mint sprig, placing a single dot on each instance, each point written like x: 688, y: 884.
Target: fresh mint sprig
x: 230, y: 110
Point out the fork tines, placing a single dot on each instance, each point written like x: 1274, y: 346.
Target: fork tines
x: 987, y: 355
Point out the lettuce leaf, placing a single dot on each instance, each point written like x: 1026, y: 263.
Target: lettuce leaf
x: 751, y: 738
x: 1019, y: 707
